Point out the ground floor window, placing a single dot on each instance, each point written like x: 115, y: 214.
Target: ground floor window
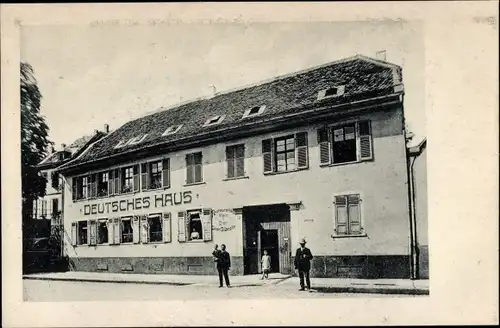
x: 82, y: 227
x: 348, y: 215
x: 195, y: 228
x: 102, y: 231
x: 155, y: 229
x: 127, y: 230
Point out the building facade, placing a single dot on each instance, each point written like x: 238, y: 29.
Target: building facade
x: 318, y: 154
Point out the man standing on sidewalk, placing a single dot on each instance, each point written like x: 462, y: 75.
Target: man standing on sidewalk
x: 223, y: 265
x: 302, y: 263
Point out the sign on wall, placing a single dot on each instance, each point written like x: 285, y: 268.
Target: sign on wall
x: 224, y: 220
x: 137, y: 203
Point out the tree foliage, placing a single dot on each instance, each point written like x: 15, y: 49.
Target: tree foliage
x: 34, y: 138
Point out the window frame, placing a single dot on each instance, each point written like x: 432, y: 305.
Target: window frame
x: 78, y: 236
x: 130, y: 219
x: 188, y: 229
x: 158, y: 216
x: 158, y: 174
x: 105, y: 221
x: 340, y: 92
x: 187, y: 183
x: 248, y: 112
x: 285, y: 152
x: 235, y: 159
x: 361, y: 213
x: 173, y: 129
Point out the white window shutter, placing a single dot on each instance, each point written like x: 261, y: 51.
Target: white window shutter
x: 181, y: 227
x: 117, y: 231
x: 111, y: 233
x: 135, y: 229
x: 92, y: 228
x: 365, y: 141
x: 341, y: 219
x: 73, y: 233
x: 207, y: 224
x: 167, y: 228
x: 144, y: 229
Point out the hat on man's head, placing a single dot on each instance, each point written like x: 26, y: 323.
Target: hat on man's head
x: 302, y: 241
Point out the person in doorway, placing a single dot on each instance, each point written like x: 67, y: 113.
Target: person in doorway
x: 302, y: 263
x: 195, y: 235
x: 266, y: 265
x: 223, y: 266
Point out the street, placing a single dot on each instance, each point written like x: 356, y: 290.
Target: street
x: 53, y: 291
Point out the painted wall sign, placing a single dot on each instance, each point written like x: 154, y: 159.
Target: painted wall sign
x: 224, y: 220
x: 156, y: 201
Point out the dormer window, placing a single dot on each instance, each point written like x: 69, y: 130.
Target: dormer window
x: 172, y: 129
x: 254, y: 111
x: 214, y: 120
x: 121, y: 144
x: 136, y: 140
x: 331, y: 92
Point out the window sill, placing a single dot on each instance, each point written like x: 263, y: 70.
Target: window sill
x: 285, y: 172
x: 196, y: 241
x: 236, y: 178
x: 345, y: 163
x: 194, y: 184
x: 155, y: 189
x: 363, y: 235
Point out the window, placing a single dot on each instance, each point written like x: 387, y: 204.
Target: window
x: 83, y: 185
x: 172, y: 129
x: 195, y: 225
x: 102, y: 231
x: 44, y: 208
x: 235, y: 158
x: 155, y: 229
x: 345, y: 143
x: 348, y: 215
x: 331, y: 92
x: 195, y: 229
x: 103, y: 184
x: 285, y: 154
x: 127, y: 231
x: 214, y: 120
x: 136, y: 140
x: 55, y: 207
x: 130, y: 179
x: 82, y: 232
x: 155, y: 176
x: 254, y: 111
x: 194, y: 168
x: 59, y: 182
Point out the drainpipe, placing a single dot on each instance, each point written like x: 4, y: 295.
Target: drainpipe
x: 413, y: 219
x: 63, y: 187
x: 410, y: 211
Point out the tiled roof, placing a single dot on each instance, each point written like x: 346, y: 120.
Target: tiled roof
x: 363, y: 78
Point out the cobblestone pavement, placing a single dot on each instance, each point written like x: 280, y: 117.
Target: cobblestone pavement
x: 54, y: 291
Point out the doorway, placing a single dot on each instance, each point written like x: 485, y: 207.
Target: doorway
x: 269, y: 241
x: 266, y: 227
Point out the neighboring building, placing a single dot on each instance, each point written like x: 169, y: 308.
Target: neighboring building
x: 319, y: 154
x: 418, y: 171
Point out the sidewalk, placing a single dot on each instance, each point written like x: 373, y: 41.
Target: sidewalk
x: 325, y: 285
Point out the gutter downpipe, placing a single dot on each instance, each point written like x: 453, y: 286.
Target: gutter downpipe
x: 410, y: 212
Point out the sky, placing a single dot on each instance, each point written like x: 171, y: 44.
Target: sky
x: 111, y: 73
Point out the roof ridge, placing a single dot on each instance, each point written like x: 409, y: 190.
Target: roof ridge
x: 266, y: 81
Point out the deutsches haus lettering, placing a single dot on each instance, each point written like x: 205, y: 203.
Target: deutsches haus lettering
x: 137, y: 203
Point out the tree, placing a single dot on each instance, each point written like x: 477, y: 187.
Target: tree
x: 34, y: 140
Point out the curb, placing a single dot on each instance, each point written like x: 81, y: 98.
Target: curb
x: 111, y: 281
x: 373, y: 290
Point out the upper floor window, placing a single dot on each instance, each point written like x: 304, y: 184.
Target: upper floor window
x: 331, y: 92
x: 283, y: 154
x: 345, y: 143
x: 254, y: 111
x: 155, y: 174
x: 130, y: 178
x: 103, y: 183
x: 84, y: 187
x: 348, y: 215
x: 172, y: 129
x: 194, y: 168
x: 235, y: 159
x: 214, y: 120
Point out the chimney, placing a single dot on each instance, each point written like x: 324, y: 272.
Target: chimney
x: 381, y: 55
x: 63, y: 146
x: 106, y: 128
x: 214, y: 90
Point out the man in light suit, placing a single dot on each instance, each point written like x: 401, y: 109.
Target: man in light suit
x: 302, y: 262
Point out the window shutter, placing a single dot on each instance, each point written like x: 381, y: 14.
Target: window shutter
x: 166, y: 173
x: 94, y: 185
x: 198, y: 167
x: 92, y: 228
x: 73, y: 186
x: 73, y: 233
x: 365, y: 141
x: 324, y: 146
x: 117, y: 181
x: 230, y: 162
x: 111, y: 183
x: 144, y: 231
x: 301, y: 150
x: 207, y: 224
x: 181, y: 227
x: 111, y: 234
x: 136, y: 230
x: 136, y: 178
x: 189, y: 169
x: 240, y: 160
x: 354, y: 214
x: 167, y: 228
x: 267, y: 155
x: 340, y: 215
x: 144, y: 176
x: 117, y: 230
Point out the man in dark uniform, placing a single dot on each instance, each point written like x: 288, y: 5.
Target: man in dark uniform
x: 223, y: 265
x: 302, y: 263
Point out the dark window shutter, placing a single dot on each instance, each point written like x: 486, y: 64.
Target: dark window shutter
x: 94, y: 184
x: 301, y: 150
x: 267, y: 155
x: 118, y: 181
x: 189, y: 169
x: 365, y: 141
x: 230, y: 159
x: 111, y: 184
x: 324, y: 146
x: 181, y: 227
x: 136, y: 178
x: 166, y: 173
x: 240, y: 160
x: 198, y: 173
x: 74, y: 189
x: 144, y: 176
